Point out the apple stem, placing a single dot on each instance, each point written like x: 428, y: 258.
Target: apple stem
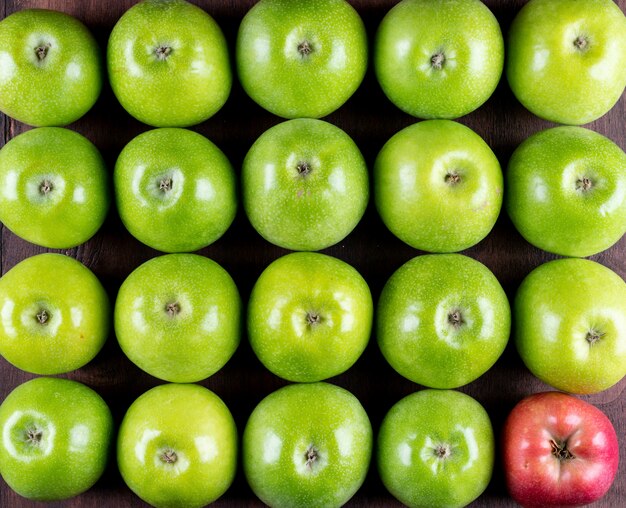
x: 437, y: 60
x: 455, y: 318
x: 305, y: 48
x: 584, y: 184
x: 162, y: 52
x: 45, y: 187
x: 593, y: 336
x: 172, y: 309
x: 313, y: 318
x: 581, y: 42
x: 42, y: 316
x: 311, y: 456
x: 169, y: 456
x: 42, y: 51
x: 560, y: 451
x: 166, y: 184
x: 303, y: 168
x: 33, y: 436
x: 453, y: 178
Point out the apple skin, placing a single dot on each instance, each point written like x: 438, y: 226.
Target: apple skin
x: 293, y: 82
x: 55, y: 187
x: 547, y: 196
x: 178, y: 317
x: 414, y: 32
x: 305, y: 184
x: 55, y: 314
x: 175, y: 190
x: 547, y: 71
x: 57, y: 87
x: 168, y: 63
x: 426, y: 423
x: 309, y: 316
x: 438, y: 186
x: 74, y: 428
x: 570, y: 326
x: 444, y: 309
x: 307, y: 445
x: 177, y: 446
x: 546, y: 424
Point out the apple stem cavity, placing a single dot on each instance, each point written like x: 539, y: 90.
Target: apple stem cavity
x: 166, y: 184
x: 169, y: 456
x: 33, y: 436
x: 303, y: 168
x: 581, y: 43
x: 46, y: 187
x: 452, y: 178
x: 305, y: 48
x: 172, y: 309
x: 437, y: 60
x: 593, y: 336
x: 311, y: 456
x: 42, y: 317
x: 455, y: 319
x: 584, y: 184
x: 162, y: 52
x: 313, y: 318
x: 560, y: 451
x: 42, y: 51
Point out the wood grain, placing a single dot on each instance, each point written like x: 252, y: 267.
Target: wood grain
x: 370, y: 119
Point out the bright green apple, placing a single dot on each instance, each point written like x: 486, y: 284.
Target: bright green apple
x: 168, y: 63
x: 438, y: 186
x: 443, y: 320
x: 566, y: 191
x: 305, y: 184
x: 50, y: 67
x: 566, y: 60
x: 178, y: 317
x: 309, y: 316
x: 439, y: 59
x: 301, y: 59
x: 307, y: 445
x: 177, y: 446
x: 56, y: 438
x: 436, y: 449
x: 54, y: 314
x: 54, y: 187
x: 175, y: 190
x: 570, y: 325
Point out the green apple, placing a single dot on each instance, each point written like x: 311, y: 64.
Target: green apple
x: 566, y: 191
x: 439, y: 59
x: 177, y: 446
x: 443, y: 320
x: 55, y: 187
x: 56, y: 438
x: 168, y: 63
x: 307, y: 445
x: 50, y: 68
x: 178, y: 317
x: 301, y: 59
x: 175, y: 190
x: 438, y: 186
x: 566, y: 60
x: 570, y: 325
x: 305, y: 184
x: 436, y: 449
x: 54, y: 314
x: 309, y: 316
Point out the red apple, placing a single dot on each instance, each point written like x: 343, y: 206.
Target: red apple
x: 558, y: 451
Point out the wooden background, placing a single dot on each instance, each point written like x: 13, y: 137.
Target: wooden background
x: 370, y: 119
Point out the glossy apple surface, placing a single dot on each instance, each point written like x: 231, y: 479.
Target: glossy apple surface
x: 56, y: 438
x: 305, y: 184
x: 566, y: 61
x: 432, y: 62
x: 558, y: 451
x: 436, y: 449
x: 438, y: 186
x: 301, y: 59
x: 55, y: 314
x: 55, y: 187
x: 177, y: 446
x: 570, y: 326
x: 51, y: 69
x: 309, y: 316
x: 168, y: 63
x: 307, y: 445
x: 566, y: 191
x: 443, y: 320
x: 178, y: 317
x: 175, y: 190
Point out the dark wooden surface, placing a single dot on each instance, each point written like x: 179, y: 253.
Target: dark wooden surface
x: 370, y: 119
